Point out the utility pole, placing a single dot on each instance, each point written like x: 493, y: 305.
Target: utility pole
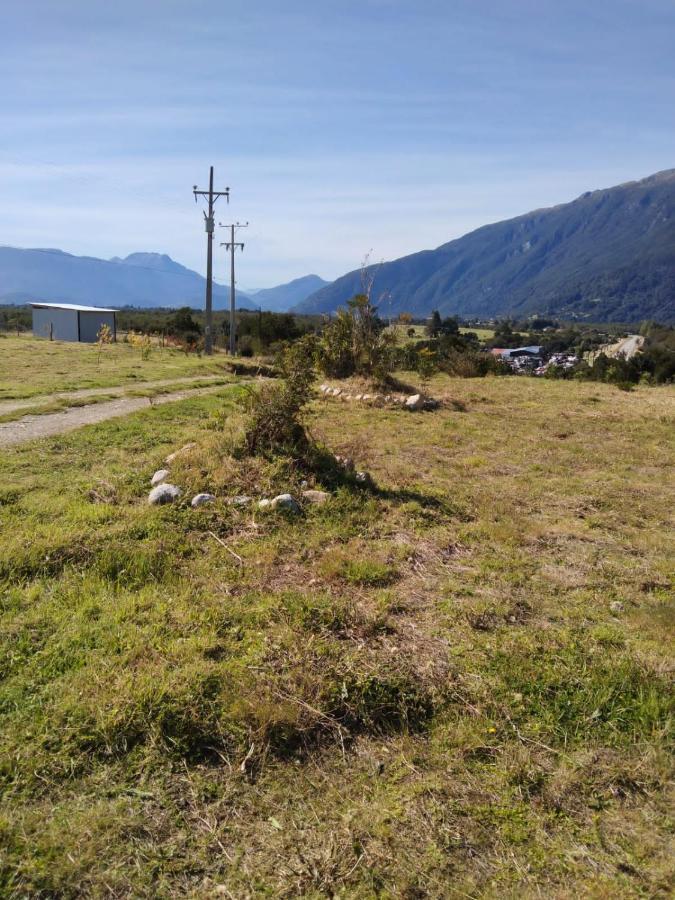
x: 232, y: 245
x: 208, y: 222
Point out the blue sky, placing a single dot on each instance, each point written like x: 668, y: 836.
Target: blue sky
x: 341, y: 127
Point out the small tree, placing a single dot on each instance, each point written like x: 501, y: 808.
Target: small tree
x: 104, y: 337
x: 427, y: 366
x: 140, y: 342
x: 435, y: 323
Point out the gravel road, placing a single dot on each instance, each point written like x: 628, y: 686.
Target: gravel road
x: 30, y: 428
x: 9, y: 406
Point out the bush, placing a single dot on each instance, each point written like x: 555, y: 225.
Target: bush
x: 275, y: 410
x: 473, y: 364
x: 355, y: 343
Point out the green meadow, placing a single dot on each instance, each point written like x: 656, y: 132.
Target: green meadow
x: 452, y: 681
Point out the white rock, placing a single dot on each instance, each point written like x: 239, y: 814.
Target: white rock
x: 170, y: 458
x: 163, y: 493
x: 264, y: 504
x: 362, y: 477
x: 315, y: 496
x: 202, y: 499
x: 415, y: 401
x: 359, y: 397
x: 240, y: 500
x: 616, y: 606
x: 159, y: 476
x: 287, y: 502
x: 366, y: 397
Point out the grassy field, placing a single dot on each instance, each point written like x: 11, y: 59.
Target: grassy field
x: 30, y: 366
x: 484, y: 334
x: 420, y: 333
x: 453, y: 683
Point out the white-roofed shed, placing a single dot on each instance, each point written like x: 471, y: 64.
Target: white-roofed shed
x: 71, y: 322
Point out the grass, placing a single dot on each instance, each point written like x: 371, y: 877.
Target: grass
x: 420, y: 332
x: 483, y: 334
x: 30, y: 366
x: 420, y: 689
x: 150, y: 391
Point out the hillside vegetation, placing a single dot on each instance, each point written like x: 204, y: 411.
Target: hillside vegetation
x: 609, y: 255
x: 450, y: 681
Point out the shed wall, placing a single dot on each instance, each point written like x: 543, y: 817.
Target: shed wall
x: 90, y: 325
x: 63, y: 322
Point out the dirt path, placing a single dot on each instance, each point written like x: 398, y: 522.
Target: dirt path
x: 8, y: 406
x: 31, y: 428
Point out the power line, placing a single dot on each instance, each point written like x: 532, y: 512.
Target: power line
x: 232, y: 245
x: 209, y: 227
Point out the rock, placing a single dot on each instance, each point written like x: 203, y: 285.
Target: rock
x: 616, y: 606
x: 323, y: 388
x: 240, y: 500
x: 315, y: 496
x: 159, y: 476
x: 170, y: 458
x: 366, y: 398
x: 336, y: 392
x: 163, y: 493
x: 359, y: 397
x: 345, y: 461
x: 362, y: 478
x: 415, y: 401
x: 264, y: 504
x: 378, y: 400
x: 202, y: 499
x: 286, y: 502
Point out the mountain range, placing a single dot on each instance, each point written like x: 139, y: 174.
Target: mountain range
x: 609, y: 255
x: 285, y: 296
x: 143, y: 280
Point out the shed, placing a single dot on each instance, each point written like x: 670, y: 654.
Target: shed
x: 69, y: 322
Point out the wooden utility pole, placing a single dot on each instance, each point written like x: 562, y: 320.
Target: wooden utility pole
x: 232, y: 245
x: 209, y: 225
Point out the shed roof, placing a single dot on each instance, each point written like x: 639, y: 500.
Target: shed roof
x: 73, y: 306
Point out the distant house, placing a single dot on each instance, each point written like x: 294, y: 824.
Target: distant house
x: 515, y: 352
x: 521, y: 359
x: 69, y: 322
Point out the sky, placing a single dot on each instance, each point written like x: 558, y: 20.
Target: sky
x: 343, y: 129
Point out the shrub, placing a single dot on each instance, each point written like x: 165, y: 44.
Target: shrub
x: 355, y: 343
x: 427, y: 365
x: 275, y: 410
x: 472, y: 364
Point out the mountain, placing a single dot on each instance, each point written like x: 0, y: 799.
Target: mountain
x: 285, y: 296
x: 609, y: 255
x: 141, y: 279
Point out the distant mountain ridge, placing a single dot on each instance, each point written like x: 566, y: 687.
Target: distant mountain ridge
x: 609, y: 255
x: 143, y: 280
x: 285, y: 296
